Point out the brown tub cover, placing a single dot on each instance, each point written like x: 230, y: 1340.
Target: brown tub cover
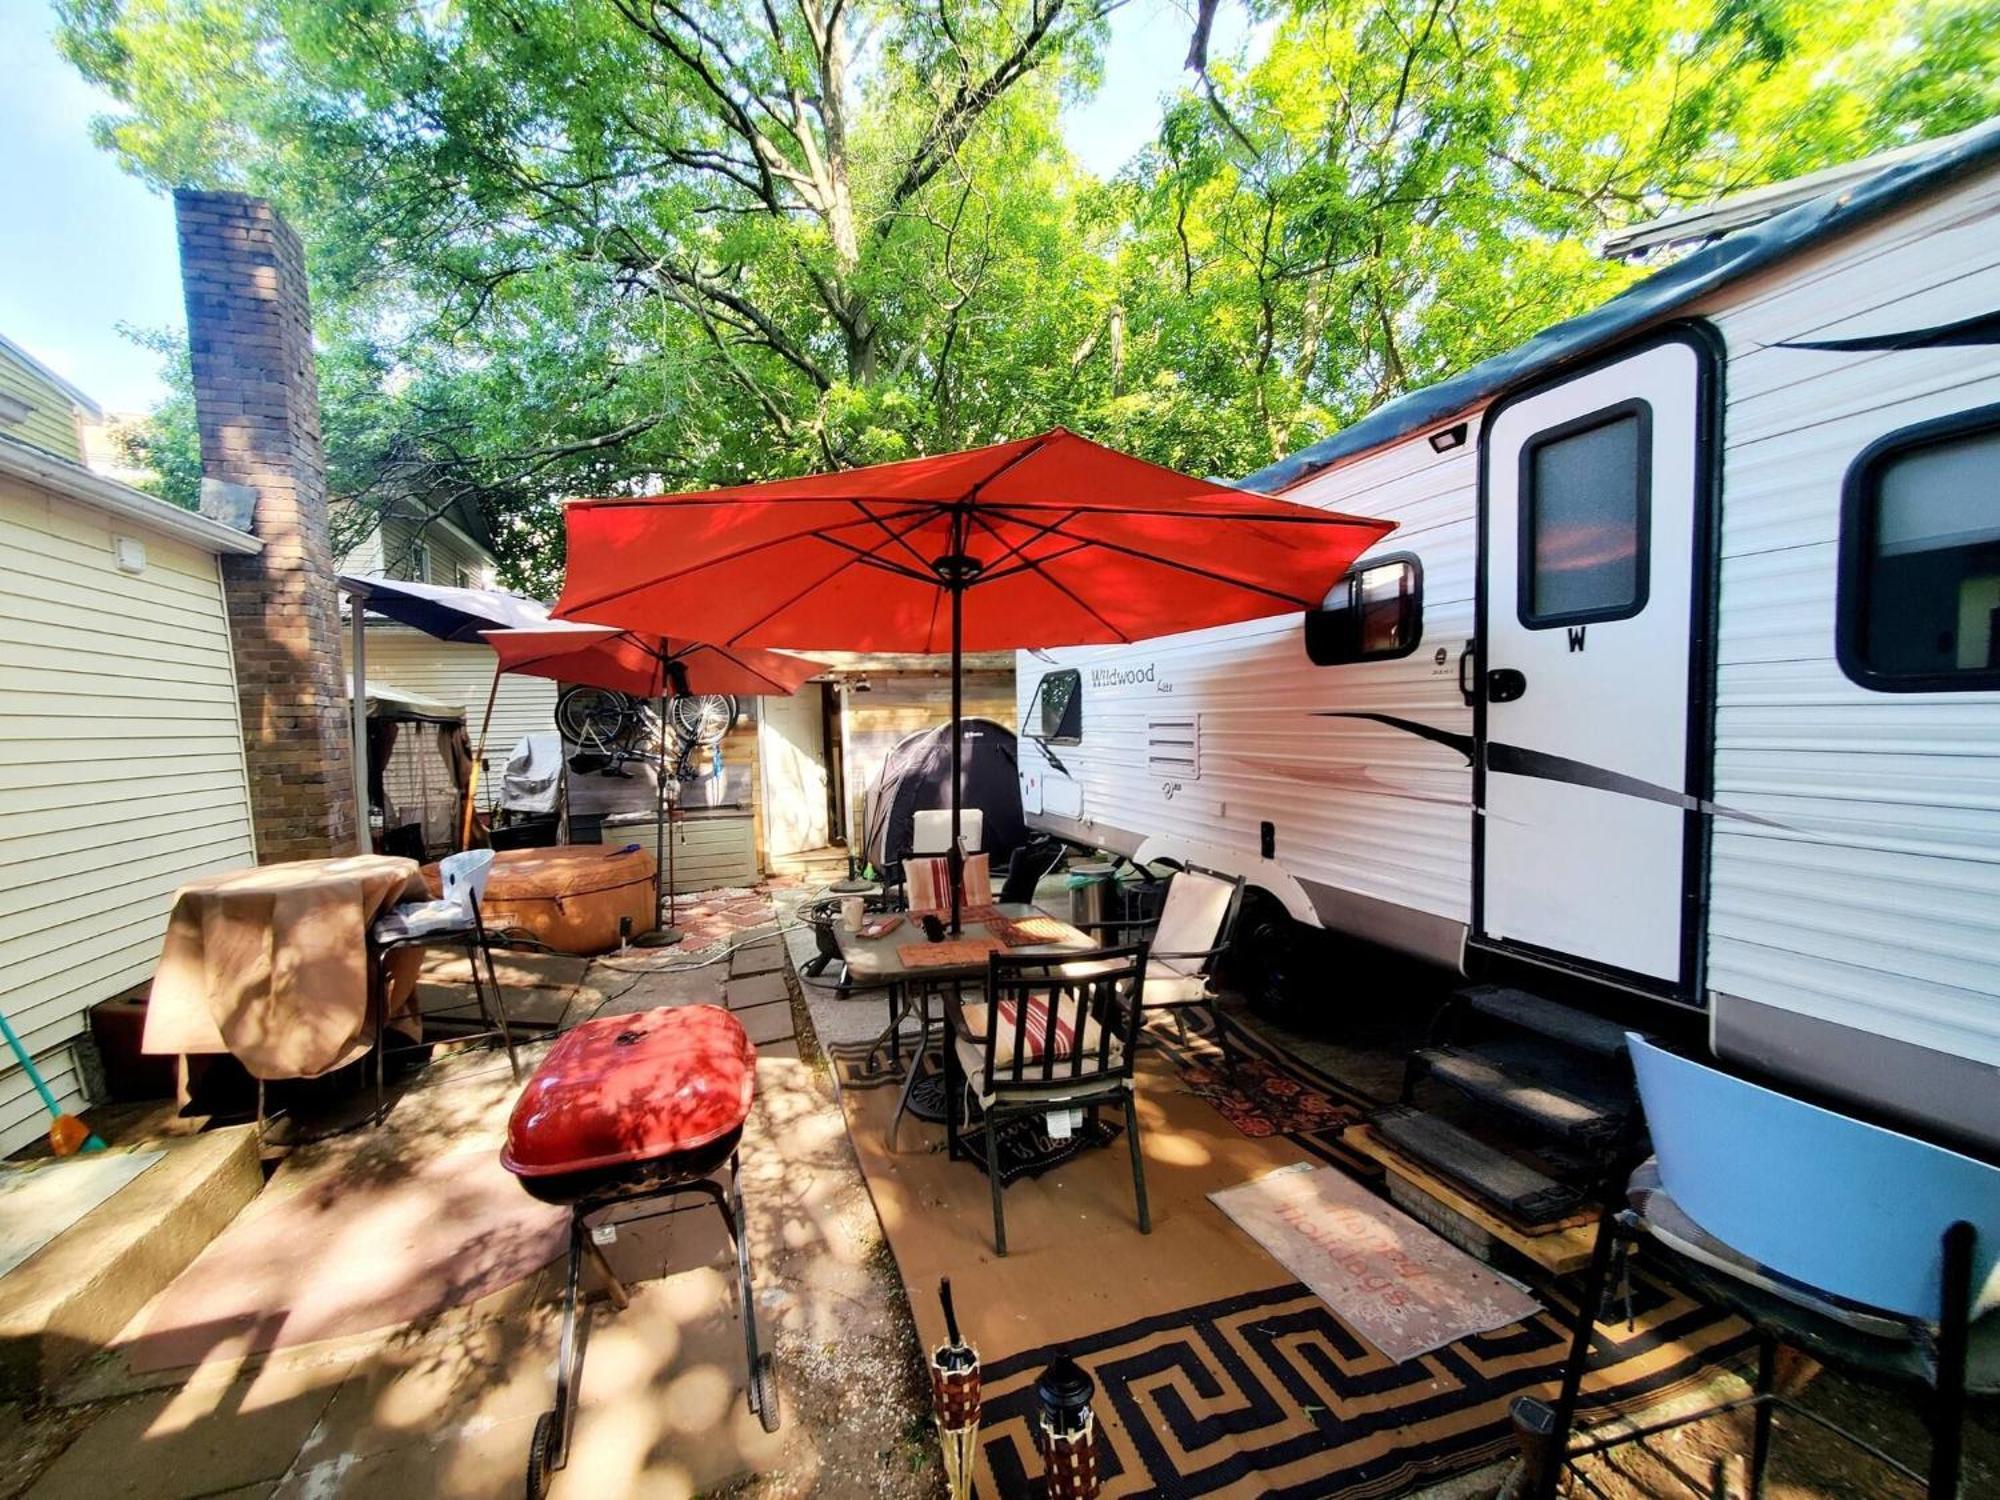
x: 571, y: 898
x: 273, y: 964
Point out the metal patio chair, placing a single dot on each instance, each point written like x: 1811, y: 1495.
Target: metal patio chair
x: 1046, y: 1038
x: 1858, y: 1244
x: 1194, y: 929
x: 451, y: 921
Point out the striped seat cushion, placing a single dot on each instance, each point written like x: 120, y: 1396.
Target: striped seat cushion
x: 1037, y: 1036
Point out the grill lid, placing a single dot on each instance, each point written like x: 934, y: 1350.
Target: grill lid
x: 629, y: 1089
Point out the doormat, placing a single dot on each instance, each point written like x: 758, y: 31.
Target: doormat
x: 1028, y: 1150
x: 1262, y: 1100
x: 1388, y: 1278
x: 38, y: 1203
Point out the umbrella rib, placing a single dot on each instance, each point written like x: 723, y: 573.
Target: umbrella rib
x: 1017, y: 549
x: 1292, y: 515
x: 1182, y: 567
x: 818, y: 583
x: 1074, y: 597
x: 901, y: 539
x: 922, y: 513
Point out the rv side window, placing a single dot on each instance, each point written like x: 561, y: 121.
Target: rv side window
x: 1058, y: 708
x: 1920, y: 559
x: 1584, y: 502
x: 1373, y: 613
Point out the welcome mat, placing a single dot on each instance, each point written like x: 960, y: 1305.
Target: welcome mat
x: 1218, y: 1373
x: 1390, y: 1279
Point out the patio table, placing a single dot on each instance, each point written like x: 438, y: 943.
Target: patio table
x: 274, y: 965
x: 872, y: 961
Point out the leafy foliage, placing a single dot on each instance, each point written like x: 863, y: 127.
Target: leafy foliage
x: 584, y: 246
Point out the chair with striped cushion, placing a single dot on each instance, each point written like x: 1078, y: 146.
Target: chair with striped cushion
x: 1045, y: 1038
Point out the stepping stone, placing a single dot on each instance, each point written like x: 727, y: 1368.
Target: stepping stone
x: 757, y: 989
x: 767, y: 1023
x: 759, y: 958
x: 788, y: 1048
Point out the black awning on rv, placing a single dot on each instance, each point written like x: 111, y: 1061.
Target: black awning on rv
x: 1646, y: 302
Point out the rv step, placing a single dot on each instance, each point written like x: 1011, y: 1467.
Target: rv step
x: 1559, y: 1095
x: 1513, y: 1187
x: 1559, y: 1023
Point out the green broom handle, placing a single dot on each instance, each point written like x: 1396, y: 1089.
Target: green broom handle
x: 34, y: 1076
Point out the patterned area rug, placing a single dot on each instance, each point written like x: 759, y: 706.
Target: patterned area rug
x: 1218, y: 1373
x: 1261, y: 1099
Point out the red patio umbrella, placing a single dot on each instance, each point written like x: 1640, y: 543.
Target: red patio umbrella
x: 646, y: 666
x: 1046, y: 541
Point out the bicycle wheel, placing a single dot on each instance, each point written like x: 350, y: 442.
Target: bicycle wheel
x: 595, y: 718
x: 703, y: 719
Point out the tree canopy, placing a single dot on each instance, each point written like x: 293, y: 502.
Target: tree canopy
x: 582, y: 246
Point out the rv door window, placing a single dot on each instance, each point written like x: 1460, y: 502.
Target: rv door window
x: 1057, y: 712
x: 1584, y: 501
x: 1920, y: 559
x: 1375, y: 612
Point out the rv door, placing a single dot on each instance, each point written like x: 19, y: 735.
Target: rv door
x: 1591, y: 724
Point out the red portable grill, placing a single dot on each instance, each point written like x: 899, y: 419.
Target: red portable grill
x: 623, y: 1109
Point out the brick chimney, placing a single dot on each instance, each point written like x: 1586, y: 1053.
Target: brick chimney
x: 257, y: 404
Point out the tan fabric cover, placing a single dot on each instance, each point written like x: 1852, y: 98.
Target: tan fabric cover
x: 570, y: 898
x: 272, y: 964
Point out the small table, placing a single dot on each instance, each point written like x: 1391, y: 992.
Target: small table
x: 880, y: 961
x: 274, y: 964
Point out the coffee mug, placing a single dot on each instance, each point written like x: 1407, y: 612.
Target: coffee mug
x: 852, y: 909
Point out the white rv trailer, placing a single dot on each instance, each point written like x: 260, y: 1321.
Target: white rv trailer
x: 1680, y: 676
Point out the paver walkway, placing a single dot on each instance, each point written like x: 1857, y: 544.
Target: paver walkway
x: 443, y: 1404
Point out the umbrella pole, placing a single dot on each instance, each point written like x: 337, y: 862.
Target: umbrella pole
x: 478, y: 760
x: 956, y: 864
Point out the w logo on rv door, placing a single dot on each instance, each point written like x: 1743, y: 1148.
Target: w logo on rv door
x: 1592, y: 508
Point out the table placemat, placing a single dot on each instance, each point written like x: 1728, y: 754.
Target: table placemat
x: 1023, y: 932
x: 953, y: 953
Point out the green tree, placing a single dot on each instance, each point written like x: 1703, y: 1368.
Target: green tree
x: 580, y: 246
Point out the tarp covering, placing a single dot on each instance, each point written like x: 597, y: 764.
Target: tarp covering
x: 450, y: 614
x: 916, y: 775
x: 388, y: 702
x: 1727, y: 260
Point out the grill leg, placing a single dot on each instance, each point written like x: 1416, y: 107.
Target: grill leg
x: 569, y: 1359
x: 763, y: 1386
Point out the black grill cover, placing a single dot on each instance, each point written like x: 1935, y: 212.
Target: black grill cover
x: 916, y: 776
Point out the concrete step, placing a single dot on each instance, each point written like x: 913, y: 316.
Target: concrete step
x: 71, y: 1297
x: 1547, y: 1018
x: 1512, y: 1187
x: 1550, y: 1090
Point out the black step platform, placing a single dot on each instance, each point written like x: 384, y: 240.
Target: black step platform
x: 1512, y: 1187
x: 1544, y: 1017
x: 1548, y: 1088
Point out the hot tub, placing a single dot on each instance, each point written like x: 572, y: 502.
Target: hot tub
x: 571, y: 898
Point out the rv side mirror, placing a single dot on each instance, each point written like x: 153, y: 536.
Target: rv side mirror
x: 1373, y: 613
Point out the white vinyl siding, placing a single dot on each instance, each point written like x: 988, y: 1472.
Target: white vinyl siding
x: 461, y: 674
x: 1871, y: 898
x: 1357, y: 806
x: 121, y: 768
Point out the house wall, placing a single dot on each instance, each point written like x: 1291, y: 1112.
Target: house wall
x: 50, y: 422
x: 121, y: 768
x: 394, y: 554
x: 897, y: 705
x: 456, y: 673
